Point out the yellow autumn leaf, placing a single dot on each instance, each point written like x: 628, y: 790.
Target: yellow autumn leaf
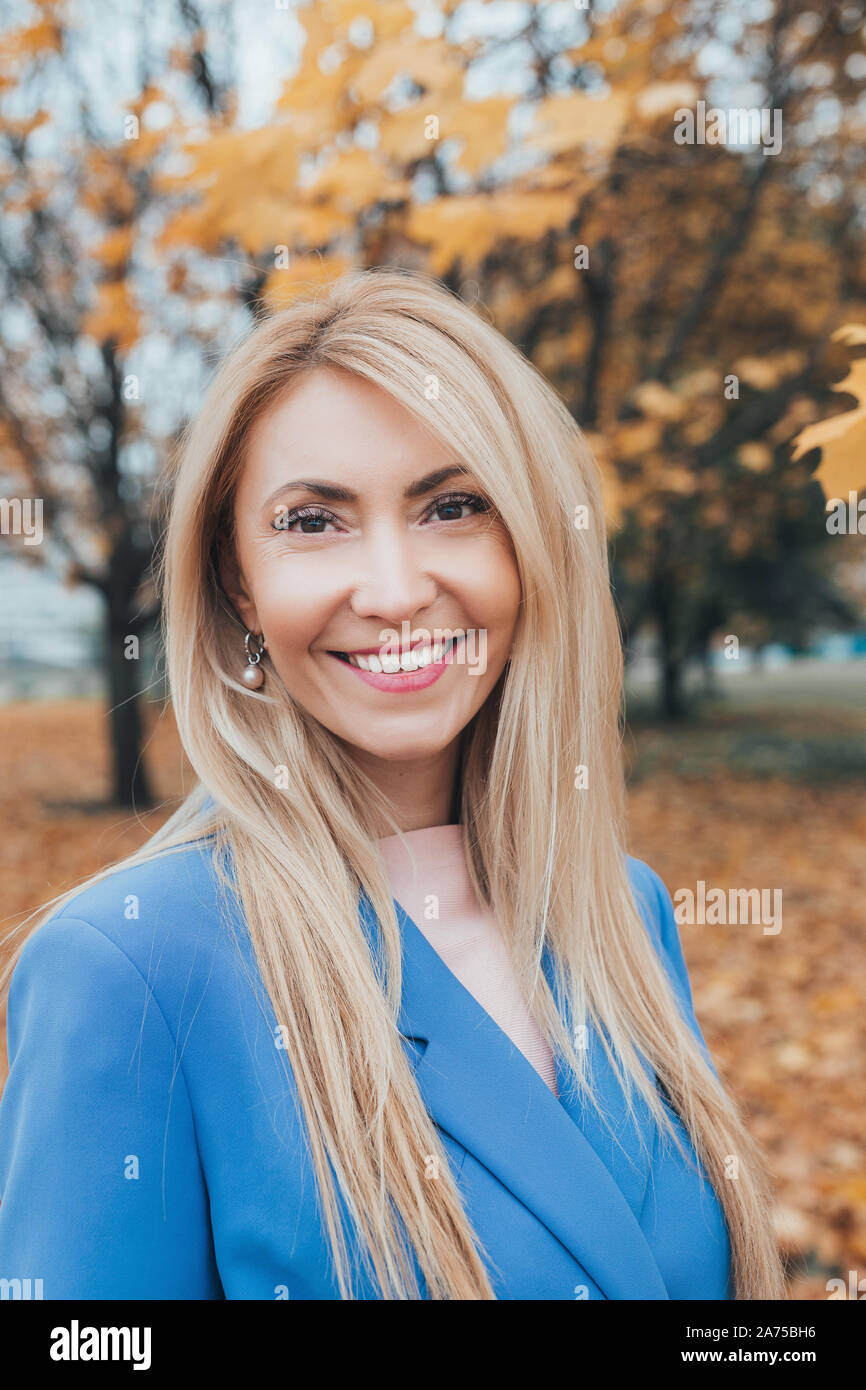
x: 636, y: 438
x: 407, y: 135
x: 188, y: 227
x: 143, y: 151
x: 483, y: 127
x: 432, y: 63
x: 449, y: 226
x: 315, y: 101
x: 303, y: 273
x: 267, y: 154
x: 559, y: 283
x: 841, y: 439
x: 42, y: 37
x: 20, y: 129
x: 656, y: 399
x: 612, y: 499
x: 334, y: 17
x: 702, y: 381
x: 852, y: 1189
x: 767, y: 371
x: 664, y: 98
x: 578, y: 120
x: 470, y: 227
x: 838, y: 1000
x: 269, y: 222
x: 354, y: 179
x: 115, y: 248
x: 755, y: 456
x: 680, y: 480
x: 613, y: 493
x: 854, y: 334
x: 113, y: 316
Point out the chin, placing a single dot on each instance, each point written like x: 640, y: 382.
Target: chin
x: 391, y: 746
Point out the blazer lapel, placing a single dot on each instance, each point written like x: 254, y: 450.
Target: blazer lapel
x: 623, y: 1143
x: 585, y: 1185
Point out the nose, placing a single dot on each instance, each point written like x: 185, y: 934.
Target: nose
x: 395, y: 583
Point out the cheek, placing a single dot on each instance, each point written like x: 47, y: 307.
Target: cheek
x: 494, y: 591
x: 293, y: 601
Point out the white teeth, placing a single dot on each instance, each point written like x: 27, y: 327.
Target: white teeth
x: 390, y: 663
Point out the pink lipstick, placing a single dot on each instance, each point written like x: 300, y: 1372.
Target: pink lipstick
x: 400, y: 681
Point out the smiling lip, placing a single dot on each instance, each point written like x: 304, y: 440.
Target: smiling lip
x: 400, y: 681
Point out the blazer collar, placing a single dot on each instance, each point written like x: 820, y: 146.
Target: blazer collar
x: 583, y: 1182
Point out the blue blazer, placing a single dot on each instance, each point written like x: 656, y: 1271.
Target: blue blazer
x: 152, y: 1147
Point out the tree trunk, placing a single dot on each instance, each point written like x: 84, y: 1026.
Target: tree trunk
x: 130, y: 782
x: 672, y: 691
x: 711, y: 689
x: 663, y: 603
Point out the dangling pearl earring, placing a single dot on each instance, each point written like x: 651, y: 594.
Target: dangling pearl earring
x: 254, y: 676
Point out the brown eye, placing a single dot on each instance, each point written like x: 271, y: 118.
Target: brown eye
x: 312, y: 520
x: 454, y: 503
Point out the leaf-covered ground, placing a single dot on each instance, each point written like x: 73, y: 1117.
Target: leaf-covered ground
x: 783, y: 1014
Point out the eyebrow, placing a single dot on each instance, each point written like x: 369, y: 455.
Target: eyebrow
x: 333, y: 492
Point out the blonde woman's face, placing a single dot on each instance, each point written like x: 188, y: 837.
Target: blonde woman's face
x: 359, y: 536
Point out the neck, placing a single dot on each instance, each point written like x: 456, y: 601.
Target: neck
x: 421, y: 792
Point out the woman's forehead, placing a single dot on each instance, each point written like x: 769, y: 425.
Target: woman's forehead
x: 339, y: 429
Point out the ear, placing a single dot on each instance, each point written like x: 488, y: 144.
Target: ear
x: 234, y: 586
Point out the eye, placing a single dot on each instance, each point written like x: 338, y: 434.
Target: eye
x: 312, y: 519
x: 457, y: 501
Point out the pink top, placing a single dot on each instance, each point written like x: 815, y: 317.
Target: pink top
x: 464, y: 934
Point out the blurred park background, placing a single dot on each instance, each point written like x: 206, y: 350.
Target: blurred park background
x: 695, y: 290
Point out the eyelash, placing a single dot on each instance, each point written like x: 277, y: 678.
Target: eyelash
x: 312, y: 513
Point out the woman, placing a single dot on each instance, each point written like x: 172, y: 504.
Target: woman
x: 384, y: 1010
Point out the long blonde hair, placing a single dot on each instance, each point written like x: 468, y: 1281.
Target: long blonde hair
x: 549, y: 860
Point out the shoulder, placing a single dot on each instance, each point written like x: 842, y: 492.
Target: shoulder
x: 653, y: 900
x: 98, y: 1094
x: 657, y: 910
x: 152, y: 928
x: 176, y: 887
